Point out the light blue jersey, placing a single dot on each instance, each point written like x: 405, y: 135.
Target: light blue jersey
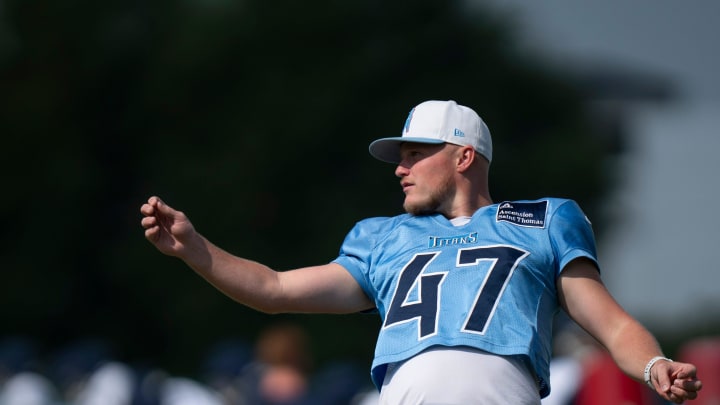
x: 488, y: 284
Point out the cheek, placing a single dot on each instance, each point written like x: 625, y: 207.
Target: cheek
x: 431, y: 186
x: 437, y: 179
x: 429, y: 178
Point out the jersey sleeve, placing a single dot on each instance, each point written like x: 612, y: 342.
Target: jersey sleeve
x: 356, y: 254
x: 571, y: 235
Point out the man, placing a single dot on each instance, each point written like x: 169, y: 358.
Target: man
x: 466, y: 288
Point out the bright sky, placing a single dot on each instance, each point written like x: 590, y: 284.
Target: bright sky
x: 668, y: 37
x: 659, y: 260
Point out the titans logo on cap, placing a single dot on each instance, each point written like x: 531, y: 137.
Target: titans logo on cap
x: 406, y: 128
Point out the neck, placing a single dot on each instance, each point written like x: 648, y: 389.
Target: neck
x: 468, y: 209
x: 472, y: 190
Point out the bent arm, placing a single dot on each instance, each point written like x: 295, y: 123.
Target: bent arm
x: 327, y: 288
x: 586, y: 300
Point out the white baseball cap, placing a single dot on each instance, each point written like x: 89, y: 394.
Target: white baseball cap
x: 437, y: 122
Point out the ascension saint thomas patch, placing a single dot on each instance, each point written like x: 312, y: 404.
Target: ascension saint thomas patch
x: 530, y: 214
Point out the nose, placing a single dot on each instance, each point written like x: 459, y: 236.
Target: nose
x: 401, y: 170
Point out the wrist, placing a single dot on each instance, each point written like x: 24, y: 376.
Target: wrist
x: 196, y: 252
x: 649, y: 367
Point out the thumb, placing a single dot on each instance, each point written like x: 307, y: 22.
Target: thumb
x: 663, y: 379
x: 164, y: 208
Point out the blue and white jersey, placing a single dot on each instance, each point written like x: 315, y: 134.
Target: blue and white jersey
x: 488, y: 284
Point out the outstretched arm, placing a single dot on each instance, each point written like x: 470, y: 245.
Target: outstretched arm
x: 587, y: 301
x: 327, y: 288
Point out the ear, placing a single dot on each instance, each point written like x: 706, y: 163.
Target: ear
x: 465, y: 157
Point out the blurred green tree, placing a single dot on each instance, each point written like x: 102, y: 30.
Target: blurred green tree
x: 254, y: 118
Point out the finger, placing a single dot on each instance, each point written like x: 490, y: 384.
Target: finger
x: 688, y: 384
x: 682, y: 394
x: 685, y: 373
x: 148, y: 222
x: 152, y: 233
x: 147, y: 209
x: 676, y: 398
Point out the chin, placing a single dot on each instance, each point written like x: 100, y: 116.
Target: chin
x: 419, y: 208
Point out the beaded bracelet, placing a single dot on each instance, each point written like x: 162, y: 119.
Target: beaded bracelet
x: 648, y: 367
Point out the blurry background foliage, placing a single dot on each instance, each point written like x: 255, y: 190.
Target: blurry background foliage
x: 253, y: 117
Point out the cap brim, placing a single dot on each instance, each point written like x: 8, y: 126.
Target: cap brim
x: 388, y: 149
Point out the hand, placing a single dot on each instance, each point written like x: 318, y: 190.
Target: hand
x: 169, y: 230
x: 675, y: 381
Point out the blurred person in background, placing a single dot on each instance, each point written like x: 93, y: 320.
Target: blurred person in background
x: 280, y: 374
